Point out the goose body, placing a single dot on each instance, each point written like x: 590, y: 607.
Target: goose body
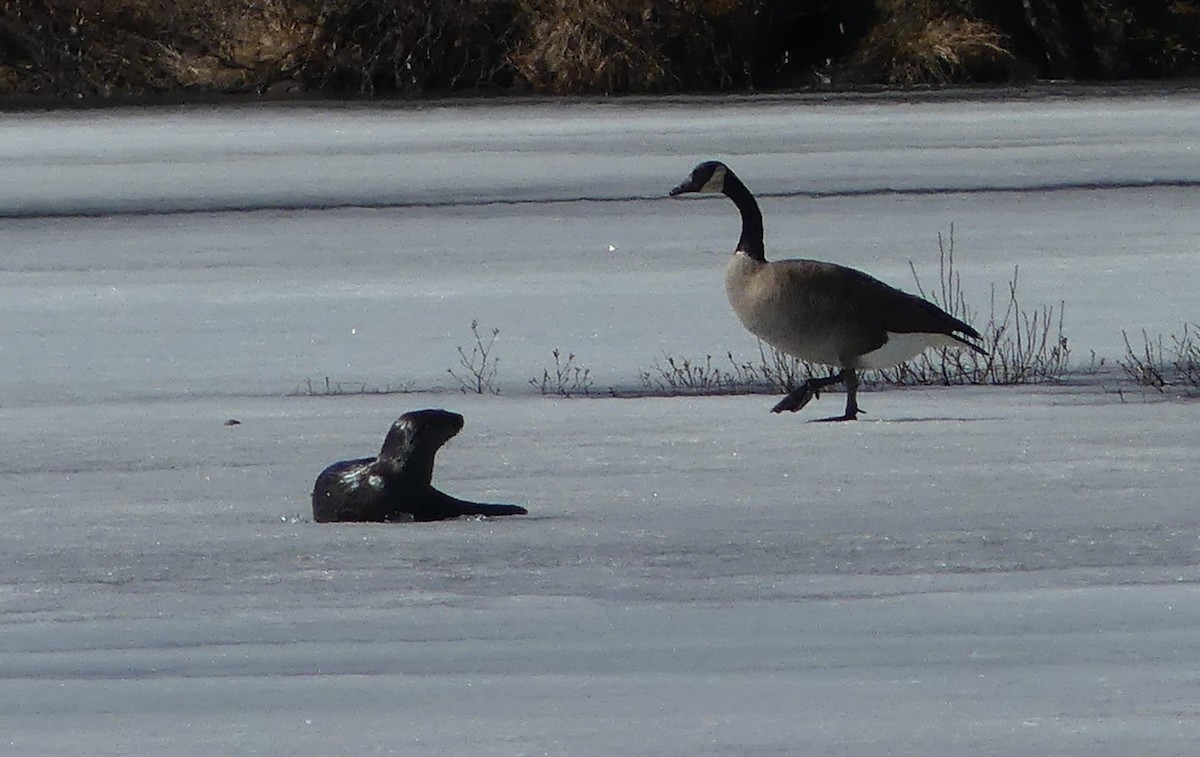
x: 822, y: 312
x: 800, y: 307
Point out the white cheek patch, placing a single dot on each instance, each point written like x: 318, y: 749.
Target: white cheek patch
x: 715, y: 183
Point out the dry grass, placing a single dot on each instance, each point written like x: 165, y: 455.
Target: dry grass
x: 581, y: 45
x: 923, y: 43
x: 89, y: 48
x: 266, y: 40
x: 613, y: 46
x: 126, y: 47
x: 86, y: 48
x: 262, y: 42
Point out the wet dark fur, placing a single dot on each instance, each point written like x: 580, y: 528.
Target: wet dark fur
x: 397, y: 483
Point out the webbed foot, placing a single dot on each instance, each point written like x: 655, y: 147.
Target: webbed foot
x: 798, y: 398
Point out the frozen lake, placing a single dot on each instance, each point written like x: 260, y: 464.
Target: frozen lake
x: 993, y: 571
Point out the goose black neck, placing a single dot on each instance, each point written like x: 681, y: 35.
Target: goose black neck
x: 751, y: 241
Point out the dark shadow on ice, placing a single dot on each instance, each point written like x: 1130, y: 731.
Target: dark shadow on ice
x: 938, y: 418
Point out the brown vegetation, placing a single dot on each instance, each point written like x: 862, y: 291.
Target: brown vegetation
x: 89, y: 48
x: 69, y: 48
x: 923, y: 43
x: 618, y: 46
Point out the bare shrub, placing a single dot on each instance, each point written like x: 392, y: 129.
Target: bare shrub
x: 565, y: 378
x: 331, y: 388
x: 678, y: 376
x: 774, y: 371
x: 782, y: 371
x: 1023, y: 346
x: 478, y: 370
x: 1165, y: 365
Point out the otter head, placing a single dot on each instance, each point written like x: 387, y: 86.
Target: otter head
x: 418, y: 435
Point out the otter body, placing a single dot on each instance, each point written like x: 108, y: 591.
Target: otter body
x: 397, y: 484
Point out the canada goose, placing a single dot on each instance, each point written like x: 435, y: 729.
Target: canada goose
x: 822, y: 312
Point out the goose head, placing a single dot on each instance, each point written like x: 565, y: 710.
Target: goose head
x: 708, y: 177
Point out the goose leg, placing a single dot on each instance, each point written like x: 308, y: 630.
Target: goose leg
x: 803, y: 394
x: 852, y: 410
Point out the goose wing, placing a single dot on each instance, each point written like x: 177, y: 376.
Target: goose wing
x: 862, y: 310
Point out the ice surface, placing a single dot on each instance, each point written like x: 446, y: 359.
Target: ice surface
x: 197, y: 158
x: 992, y: 571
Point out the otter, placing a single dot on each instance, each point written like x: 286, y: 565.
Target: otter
x: 398, y: 482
